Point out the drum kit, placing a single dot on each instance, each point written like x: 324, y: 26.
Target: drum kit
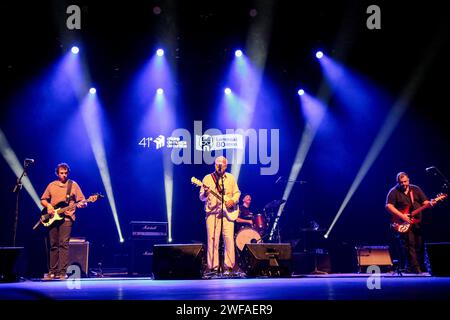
x: 259, y: 231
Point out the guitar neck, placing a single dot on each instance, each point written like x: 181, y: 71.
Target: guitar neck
x: 72, y: 206
x: 418, y: 210
x: 198, y: 183
x: 215, y: 194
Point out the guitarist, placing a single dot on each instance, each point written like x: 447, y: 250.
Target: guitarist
x: 402, y: 199
x: 217, y: 182
x: 61, y: 190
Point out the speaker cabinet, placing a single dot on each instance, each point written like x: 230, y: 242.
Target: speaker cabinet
x: 267, y: 259
x: 8, y: 261
x: 79, y: 255
x: 438, y: 258
x: 373, y: 255
x: 178, y: 261
x: 142, y: 257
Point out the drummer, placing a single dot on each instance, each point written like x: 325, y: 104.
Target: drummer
x: 245, y: 216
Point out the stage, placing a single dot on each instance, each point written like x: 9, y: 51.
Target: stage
x: 338, y: 287
x: 302, y: 141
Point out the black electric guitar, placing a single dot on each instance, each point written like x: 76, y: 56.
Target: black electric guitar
x: 402, y: 226
x: 48, y: 219
x: 231, y: 212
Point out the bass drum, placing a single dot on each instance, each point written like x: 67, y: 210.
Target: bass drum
x: 247, y: 235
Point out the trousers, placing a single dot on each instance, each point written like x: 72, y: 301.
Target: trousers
x: 213, y: 225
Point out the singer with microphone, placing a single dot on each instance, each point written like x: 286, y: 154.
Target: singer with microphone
x: 220, y: 215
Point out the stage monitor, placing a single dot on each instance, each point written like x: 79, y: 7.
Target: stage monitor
x: 267, y: 260
x: 177, y: 261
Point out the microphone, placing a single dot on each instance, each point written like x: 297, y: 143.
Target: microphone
x: 28, y: 161
x: 220, y: 167
x: 278, y: 180
x: 429, y: 168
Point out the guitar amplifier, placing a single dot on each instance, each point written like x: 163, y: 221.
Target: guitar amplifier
x: 373, y: 255
x: 79, y: 255
x: 148, y: 230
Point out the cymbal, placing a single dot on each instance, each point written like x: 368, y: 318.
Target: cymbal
x: 275, y: 203
x: 312, y: 229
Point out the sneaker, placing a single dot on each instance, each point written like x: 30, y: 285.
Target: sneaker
x: 228, y: 272
x: 49, y: 276
x: 210, y: 273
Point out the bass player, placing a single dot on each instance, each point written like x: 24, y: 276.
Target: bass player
x: 61, y: 190
x: 401, y: 200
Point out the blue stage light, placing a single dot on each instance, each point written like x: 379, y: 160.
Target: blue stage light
x: 75, y: 50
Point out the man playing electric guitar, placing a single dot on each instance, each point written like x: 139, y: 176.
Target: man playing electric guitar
x: 401, y: 200
x: 61, y: 190
x: 217, y: 183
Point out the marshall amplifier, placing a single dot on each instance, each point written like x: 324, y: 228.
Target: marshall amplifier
x: 144, y: 235
x: 148, y: 230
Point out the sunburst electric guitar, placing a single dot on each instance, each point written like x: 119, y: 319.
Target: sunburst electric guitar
x: 48, y: 219
x: 230, y: 212
x: 402, y: 226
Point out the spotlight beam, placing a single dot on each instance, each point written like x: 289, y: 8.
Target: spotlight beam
x: 16, y: 166
x: 168, y: 187
x: 314, y: 115
x: 391, y: 122
x: 256, y: 50
x: 157, y: 75
x: 90, y: 115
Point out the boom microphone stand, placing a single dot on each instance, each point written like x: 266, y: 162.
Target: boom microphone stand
x: 436, y: 172
x: 16, y: 190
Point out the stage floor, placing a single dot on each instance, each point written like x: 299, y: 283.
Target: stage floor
x: 312, y: 287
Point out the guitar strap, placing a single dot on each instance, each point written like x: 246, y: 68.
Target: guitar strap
x: 411, y: 195
x: 69, y: 189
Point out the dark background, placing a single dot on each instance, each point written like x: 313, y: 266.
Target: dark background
x: 199, y: 38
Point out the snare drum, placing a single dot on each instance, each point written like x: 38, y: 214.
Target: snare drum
x: 247, y: 235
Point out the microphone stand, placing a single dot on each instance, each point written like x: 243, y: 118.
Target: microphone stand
x: 292, y: 181
x: 16, y: 190
x: 444, y: 179
x: 297, y: 181
x: 221, y: 240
